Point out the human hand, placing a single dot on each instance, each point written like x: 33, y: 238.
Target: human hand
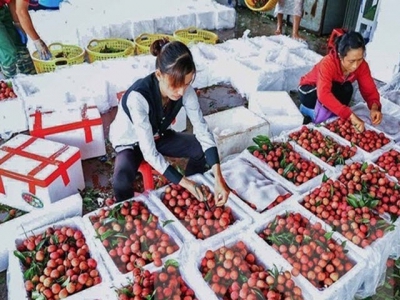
x: 41, y: 47
x: 357, y: 122
x: 221, y: 192
x: 376, y: 115
x: 21, y: 32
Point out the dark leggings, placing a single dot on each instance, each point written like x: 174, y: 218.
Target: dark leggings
x: 342, y: 91
x: 172, y: 144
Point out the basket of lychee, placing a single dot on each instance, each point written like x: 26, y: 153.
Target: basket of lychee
x: 6, y: 91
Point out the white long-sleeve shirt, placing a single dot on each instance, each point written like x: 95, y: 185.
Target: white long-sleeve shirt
x: 124, y: 132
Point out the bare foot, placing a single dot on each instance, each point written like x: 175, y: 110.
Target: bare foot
x: 298, y: 38
x: 278, y: 31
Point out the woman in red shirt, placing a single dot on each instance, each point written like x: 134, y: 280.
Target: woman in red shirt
x: 328, y: 86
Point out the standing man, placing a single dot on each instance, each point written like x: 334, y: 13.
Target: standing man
x: 15, y: 27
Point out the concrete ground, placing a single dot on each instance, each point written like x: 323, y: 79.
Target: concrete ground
x: 212, y: 99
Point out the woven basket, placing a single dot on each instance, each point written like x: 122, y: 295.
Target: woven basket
x: 194, y: 35
x: 270, y: 4
x: 74, y: 55
x: 144, y: 41
x: 124, y: 47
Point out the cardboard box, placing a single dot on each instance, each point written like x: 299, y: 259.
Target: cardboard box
x: 82, y: 128
x: 278, y: 108
x: 35, y: 172
x: 235, y: 128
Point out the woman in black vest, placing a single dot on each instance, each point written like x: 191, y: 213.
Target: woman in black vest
x: 141, y: 127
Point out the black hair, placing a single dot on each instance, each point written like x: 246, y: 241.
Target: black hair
x: 173, y: 58
x: 349, y: 41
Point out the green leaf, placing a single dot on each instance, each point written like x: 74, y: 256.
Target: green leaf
x: 107, y: 234
x: 208, y: 276
x: 20, y: 256
x: 325, y: 178
x: 251, y: 149
x: 364, y: 166
x: 172, y: 262
x: 283, y: 161
x: 125, y: 291
x: 150, y: 297
x: 165, y: 223
x: 288, y: 168
x: 40, y: 245
x: 328, y: 235
x: 55, y: 239
x: 66, y: 282
x: 259, y: 295
x: 150, y: 219
x: 120, y: 235
x: 344, y: 244
x: 108, y: 220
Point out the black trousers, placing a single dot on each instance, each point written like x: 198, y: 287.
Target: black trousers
x: 172, y: 144
x: 342, y: 91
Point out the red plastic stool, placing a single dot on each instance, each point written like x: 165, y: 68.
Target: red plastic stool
x: 335, y: 33
x: 147, y: 173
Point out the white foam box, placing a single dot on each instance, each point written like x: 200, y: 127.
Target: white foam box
x: 12, y: 113
x: 299, y: 189
x: 187, y: 278
x: 241, y: 218
x: 278, y: 108
x: 68, y: 207
x: 15, y: 279
x: 367, y: 155
x: 264, y: 257
x: 79, y: 127
x: 347, y: 285
x: 234, y: 129
x: 375, y: 255
x: 358, y: 156
x: 46, y: 171
x: 248, y: 75
x: 170, y: 229
x: 254, y: 214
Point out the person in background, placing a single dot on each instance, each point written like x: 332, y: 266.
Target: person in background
x: 328, y: 88
x: 15, y: 27
x: 141, y: 130
x: 293, y: 8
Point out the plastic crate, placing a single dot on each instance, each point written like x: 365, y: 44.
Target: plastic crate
x: 94, y: 48
x: 75, y: 55
x: 193, y: 35
x: 144, y: 41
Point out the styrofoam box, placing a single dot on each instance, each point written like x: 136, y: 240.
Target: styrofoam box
x: 82, y: 128
x: 241, y: 219
x: 278, y: 108
x: 269, y: 172
x: 192, y: 284
x: 65, y: 208
x: 348, y: 284
x: 234, y: 129
x: 389, y: 110
x: 264, y: 257
x: 49, y: 170
x: 375, y: 255
x: 255, y: 215
x: 15, y: 281
x: 374, y: 158
x: 367, y: 155
x: 111, y: 267
x: 12, y: 114
x: 358, y: 156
